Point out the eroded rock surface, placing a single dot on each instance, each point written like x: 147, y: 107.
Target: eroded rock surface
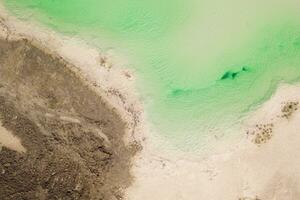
x: 73, y: 140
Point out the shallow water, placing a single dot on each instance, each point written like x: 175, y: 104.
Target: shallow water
x: 201, y: 64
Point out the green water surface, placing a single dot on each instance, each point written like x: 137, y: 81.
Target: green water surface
x: 201, y: 64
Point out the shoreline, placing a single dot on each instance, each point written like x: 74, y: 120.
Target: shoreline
x: 238, y: 168
x: 235, y: 161
x: 112, y: 80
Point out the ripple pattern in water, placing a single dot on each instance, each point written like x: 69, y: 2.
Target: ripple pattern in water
x: 202, y: 64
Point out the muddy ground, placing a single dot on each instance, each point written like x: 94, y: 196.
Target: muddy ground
x: 73, y: 140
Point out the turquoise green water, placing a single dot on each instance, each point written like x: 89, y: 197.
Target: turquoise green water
x: 201, y: 64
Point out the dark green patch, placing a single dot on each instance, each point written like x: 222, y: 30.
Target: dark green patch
x: 233, y: 74
x: 297, y: 43
x: 177, y: 92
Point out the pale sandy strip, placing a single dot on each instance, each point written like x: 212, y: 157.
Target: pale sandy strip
x: 237, y: 169
x: 7, y: 139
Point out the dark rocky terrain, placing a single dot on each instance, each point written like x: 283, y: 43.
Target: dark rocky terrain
x: 73, y: 139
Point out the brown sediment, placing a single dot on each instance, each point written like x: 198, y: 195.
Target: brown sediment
x: 289, y: 108
x: 262, y: 133
x: 73, y: 139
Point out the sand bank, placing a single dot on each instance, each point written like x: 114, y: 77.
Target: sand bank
x: 240, y: 168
